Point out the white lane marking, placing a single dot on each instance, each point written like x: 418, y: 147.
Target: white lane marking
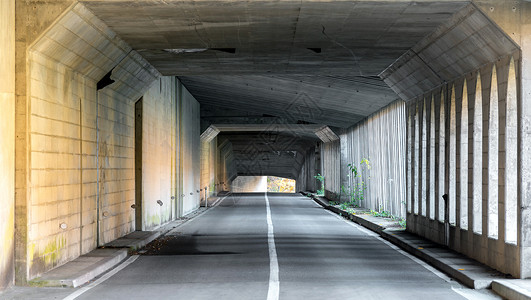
x: 219, y: 200
x: 418, y: 261
x: 456, y: 286
x: 216, y: 204
x: 274, y: 285
x: 103, y: 278
x: 357, y: 226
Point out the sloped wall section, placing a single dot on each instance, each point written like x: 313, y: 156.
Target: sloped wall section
x: 80, y: 140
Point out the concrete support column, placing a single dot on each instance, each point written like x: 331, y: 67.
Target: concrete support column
x: 423, y: 160
x: 409, y: 153
x: 524, y: 147
x: 457, y: 98
x: 416, y: 156
x: 7, y: 146
x: 441, y: 153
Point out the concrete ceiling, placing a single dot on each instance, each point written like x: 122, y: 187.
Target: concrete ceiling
x: 311, y: 61
x: 327, y: 51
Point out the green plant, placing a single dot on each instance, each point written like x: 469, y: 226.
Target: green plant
x: 387, y: 214
x: 333, y: 203
x: 383, y: 213
x: 347, y: 205
x: 355, y: 193
x: 402, y: 222
x: 320, y: 178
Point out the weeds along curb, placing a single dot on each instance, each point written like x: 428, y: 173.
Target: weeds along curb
x: 358, y: 220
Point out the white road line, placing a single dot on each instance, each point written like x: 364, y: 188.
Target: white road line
x: 216, y: 204
x: 103, y: 278
x: 274, y: 285
x: 419, y: 261
x: 355, y: 225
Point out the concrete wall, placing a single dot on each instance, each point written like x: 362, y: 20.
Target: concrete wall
x: 380, y: 139
x: 208, y: 167
x: 310, y: 168
x: 475, y: 116
x: 331, y: 169
x: 226, y: 169
x: 158, y: 152
x: 461, y: 83
x: 249, y: 184
x: 513, y: 18
x: 7, y: 147
x: 81, y: 141
x: 524, y: 132
x: 190, y: 145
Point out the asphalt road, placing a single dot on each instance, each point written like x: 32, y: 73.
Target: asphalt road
x: 228, y: 253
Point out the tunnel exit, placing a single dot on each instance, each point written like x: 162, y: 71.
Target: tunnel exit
x: 262, y: 184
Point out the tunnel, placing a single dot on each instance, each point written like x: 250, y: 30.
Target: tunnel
x: 120, y: 117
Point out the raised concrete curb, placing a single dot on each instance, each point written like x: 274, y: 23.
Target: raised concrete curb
x: 135, y: 240
x: 513, y: 289
x: 82, y: 269
x: 375, y: 224
x: 86, y: 267
x: 468, y: 271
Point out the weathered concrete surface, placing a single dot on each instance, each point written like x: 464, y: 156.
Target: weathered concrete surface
x: 476, y: 109
x: 78, y: 174
x: 514, y: 289
x: 190, y: 151
x: 287, y: 54
x: 82, y: 269
x: 524, y: 129
x: 159, y: 153
x: 31, y: 19
x: 134, y: 240
x: 380, y: 139
x: 7, y: 147
x: 464, y: 44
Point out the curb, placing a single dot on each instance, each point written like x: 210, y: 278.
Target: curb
x: 508, y: 290
x: 109, y: 264
x: 54, y: 278
x: 354, y: 218
x: 447, y: 267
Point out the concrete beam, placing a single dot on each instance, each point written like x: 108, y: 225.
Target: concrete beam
x: 464, y: 44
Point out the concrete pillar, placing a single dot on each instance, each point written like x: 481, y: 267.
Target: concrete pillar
x: 409, y: 169
x: 431, y: 158
x: 440, y: 130
x: 7, y: 146
x: 423, y: 161
x: 524, y: 146
x: 452, y: 154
